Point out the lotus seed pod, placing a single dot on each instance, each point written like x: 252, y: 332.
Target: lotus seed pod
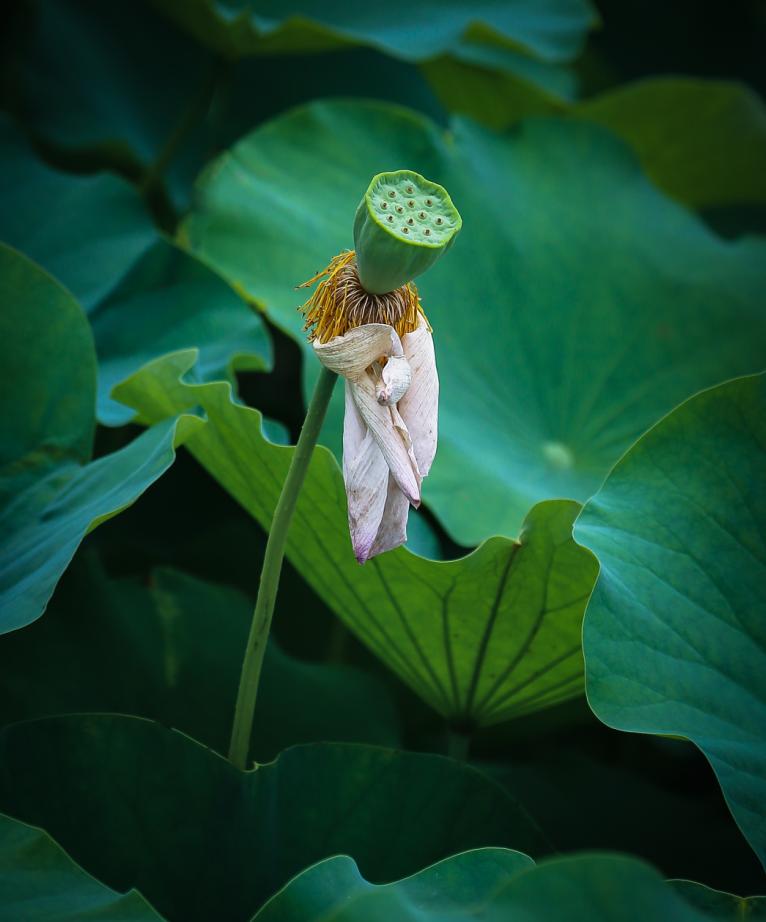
x: 402, y: 226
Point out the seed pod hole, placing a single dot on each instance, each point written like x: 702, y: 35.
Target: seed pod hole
x: 405, y: 230
x: 392, y: 194
x: 410, y: 221
x: 384, y: 204
x: 409, y: 190
x: 429, y: 202
x: 399, y: 209
x: 390, y: 219
x: 427, y: 232
x: 411, y: 203
x: 421, y: 215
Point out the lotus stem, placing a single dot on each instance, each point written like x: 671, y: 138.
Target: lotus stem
x: 244, y: 710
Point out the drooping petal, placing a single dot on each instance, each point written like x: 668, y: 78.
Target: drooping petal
x: 390, y: 434
x: 394, y: 380
x: 351, y: 354
x: 392, y: 531
x: 419, y: 406
x: 367, y: 477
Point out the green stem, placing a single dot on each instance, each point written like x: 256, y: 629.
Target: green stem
x: 272, y: 567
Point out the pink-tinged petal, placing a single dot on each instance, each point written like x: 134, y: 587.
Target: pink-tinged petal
x: 391, y: 438
x: 419, y: 406
x: 366, y: 476
x: 351, y: 354
x: 392, y: 531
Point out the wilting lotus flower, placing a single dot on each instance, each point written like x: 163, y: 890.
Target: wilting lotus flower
x: 367, y: 325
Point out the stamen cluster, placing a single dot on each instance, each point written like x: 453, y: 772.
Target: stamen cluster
x: 340, y: 303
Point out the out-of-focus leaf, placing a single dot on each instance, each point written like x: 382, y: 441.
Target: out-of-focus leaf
x: 89, y: 78
x: 497, y: 85
x: 142, y: 806
x: 481, y: 639
x: 85, y: 230
x: 577, y: 306
x: 162, y: 109
x: 50, y: 496
x: 655, y: 798
x: 553, y: 30
x: 144, y: 296
x: 496, y: 885
x: 181, y: 644
x: 702, y: 141
x: 39, y: 882
x: 169, y: 301
x: 675, y: 633
x: 725, y: 907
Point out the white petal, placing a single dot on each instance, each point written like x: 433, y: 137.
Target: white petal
x: 394, y: 381
x: 419, y: 406
x: 390, y: 433
x: 393, y: 525
x: 351, y: 354
x: 367, y: 477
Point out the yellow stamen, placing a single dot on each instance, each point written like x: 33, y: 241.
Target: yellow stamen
x: 339, y: 303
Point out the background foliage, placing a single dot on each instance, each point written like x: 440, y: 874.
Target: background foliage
x: 442, y: 731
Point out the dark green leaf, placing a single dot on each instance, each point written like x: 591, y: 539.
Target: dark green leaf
x: 675, y: 633
x: 549, y: 29
x: 142, y: 806
x: 495, y: 885
x: 577, y: 306
x: 722, y: 906
x: 159, y: 110
x: 181, y: 644
x: 40, y: 883
x: 50, y: 497
x: 335, y: 889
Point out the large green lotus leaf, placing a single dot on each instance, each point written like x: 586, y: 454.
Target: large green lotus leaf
x: 481, y: 639
x: 85, y: 230
x: 50, y: 494
x: 496, y: 885
x: 553, y: 30
x: 40, y: 883
x: 702, y: 141
x: 577, y: 306
x: 169, y: 670
x: 675, y: 633
x: 169, y: 301
x: 146, y: 807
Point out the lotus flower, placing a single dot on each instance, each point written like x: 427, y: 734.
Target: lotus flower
x: 367, y: 325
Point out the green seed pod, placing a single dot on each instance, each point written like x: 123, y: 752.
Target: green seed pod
x: 402, y: 226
